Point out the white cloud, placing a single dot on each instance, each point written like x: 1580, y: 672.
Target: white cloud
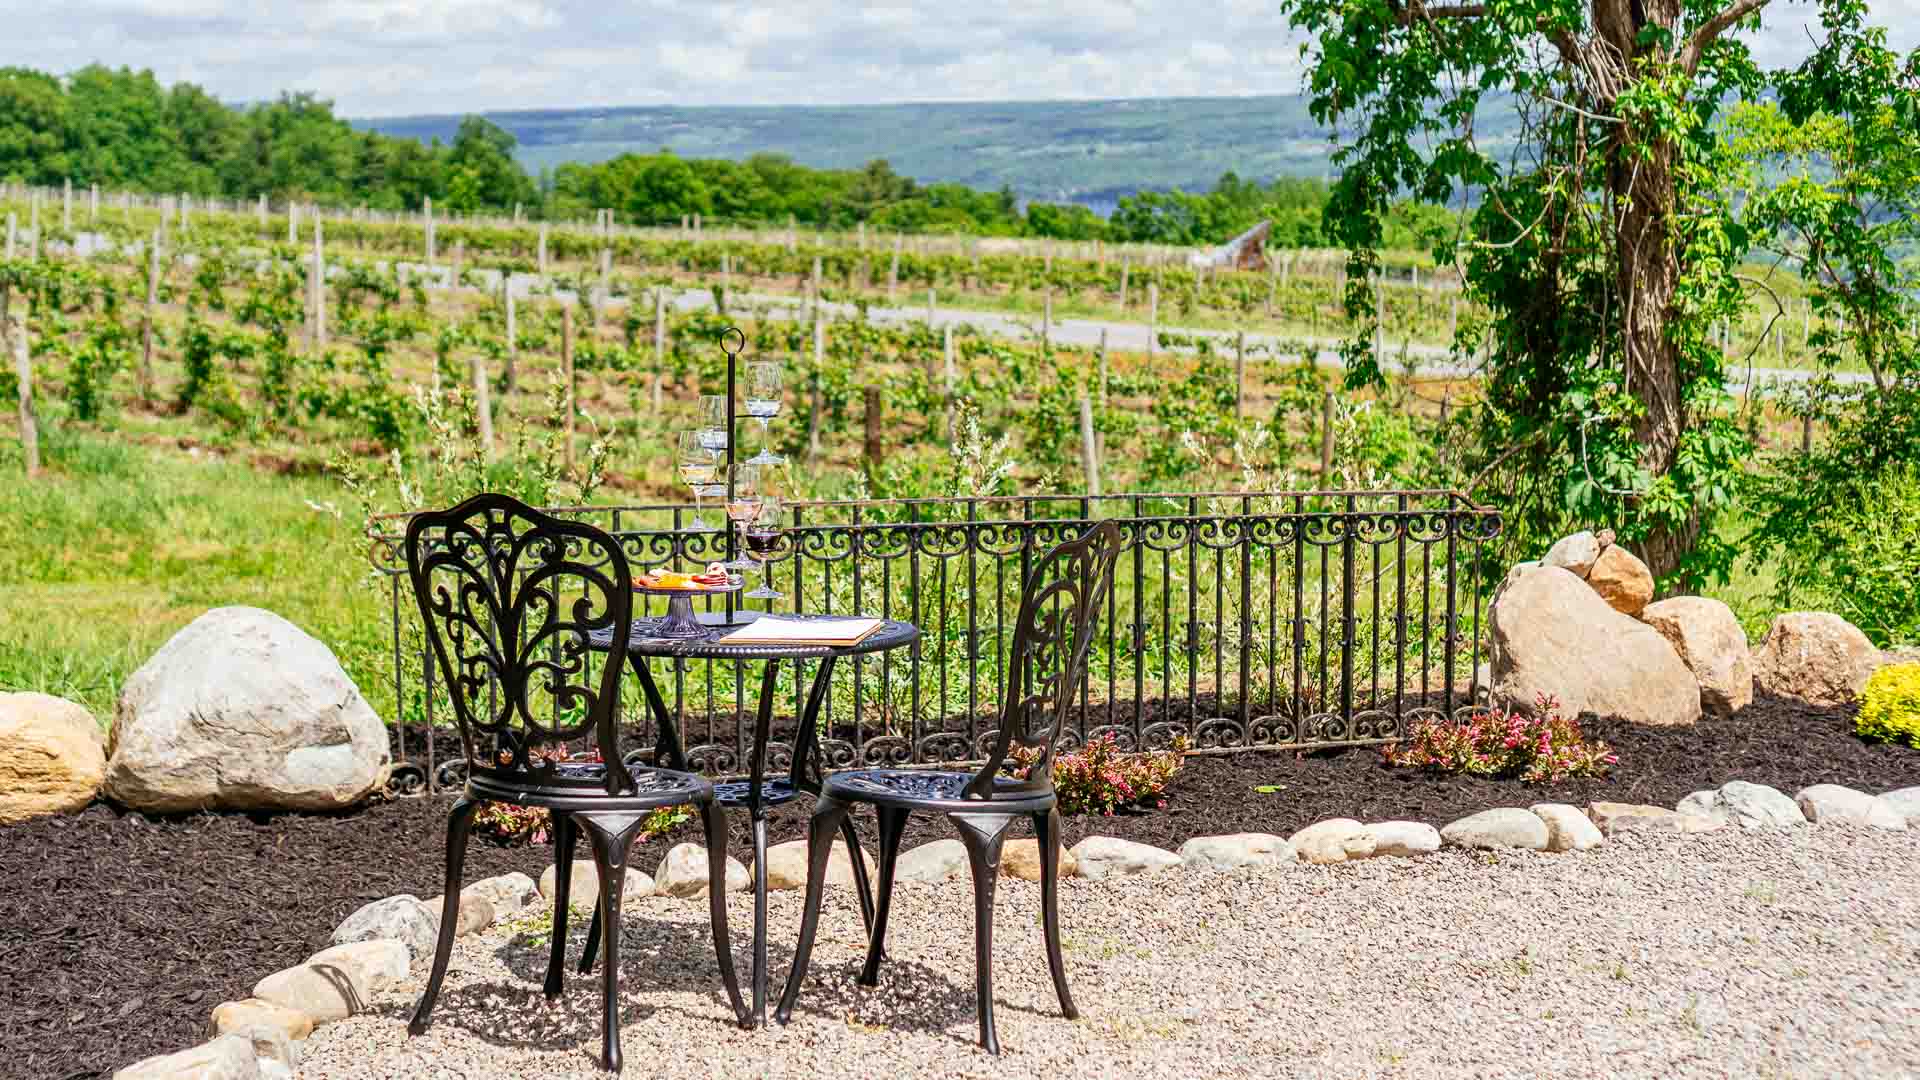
x: 385, y: 57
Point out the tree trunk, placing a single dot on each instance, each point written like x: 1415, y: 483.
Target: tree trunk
x: 1647, y: 266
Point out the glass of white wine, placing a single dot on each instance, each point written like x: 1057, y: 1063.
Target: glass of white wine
x: 697, y: 471
x: 763, y: 404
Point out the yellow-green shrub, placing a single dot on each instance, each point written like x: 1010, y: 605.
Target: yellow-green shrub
x: 1891, y: 710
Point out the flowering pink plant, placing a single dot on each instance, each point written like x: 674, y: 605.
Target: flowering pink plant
x: 1502, y: 743
x: 1101, y: 778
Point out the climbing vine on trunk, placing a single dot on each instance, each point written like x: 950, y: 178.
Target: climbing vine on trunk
x: 1604, y: 238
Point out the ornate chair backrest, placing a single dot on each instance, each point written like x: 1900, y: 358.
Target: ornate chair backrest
x: 509, y: 597
x: 1059, y: 609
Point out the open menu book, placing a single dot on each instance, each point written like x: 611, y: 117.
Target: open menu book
x: 771, y: 630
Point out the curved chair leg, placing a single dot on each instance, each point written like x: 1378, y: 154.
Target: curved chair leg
x: 859, y: 861
x: 612, y: 836
x: 715, y: 820
x: 1046, y: 828
x: 893, y: 824
x: 592, y: 949
x: 983, y: 834
x: 827, y: 815
x: 457, y: 823
x: 564, y: 834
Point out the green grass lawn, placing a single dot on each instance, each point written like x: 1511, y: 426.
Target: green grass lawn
x: 118, y: 546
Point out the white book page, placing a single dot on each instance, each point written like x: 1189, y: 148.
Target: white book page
x: 769, y: 628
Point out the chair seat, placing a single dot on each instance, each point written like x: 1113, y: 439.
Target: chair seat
x: 733, y: 793
x: 928, y: 790
x: 580, y: 785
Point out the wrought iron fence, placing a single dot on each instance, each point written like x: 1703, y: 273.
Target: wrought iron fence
x: 1239, y: 620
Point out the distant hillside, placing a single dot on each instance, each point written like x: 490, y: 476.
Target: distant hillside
x: 1089, y: 152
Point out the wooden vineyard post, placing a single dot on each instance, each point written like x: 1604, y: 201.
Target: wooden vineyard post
x: 93, y: 204
x: 870, y: 397
x: 1273, y: 283
x: 293, y: 223
x: 483, y: 405
x: 1100, y: 355
x: 33, y: 227
x: 931, y: 308
x: 66, y: 206
x: 951, y: 381
x: 566, y: 377
x: 603, y: 292
x: 1046, y: 321
x: 1153, y: 318
x: 542, y: 258
x: 15, y: 330
x: 816, y: 282
x: 659, y: 341
x: 146, y: 321
x: 260, y: 211
x: 893, y: 272
x: 1089, y: 448
x: 428, y: 210
x: 1126, y: 265
x: 1379, y: 321
x: 1240, y: 375
x: 793, y: 237
x: 1806, y: 434
x: 513, y: 340
x: 13, y: 231
x: 319, y: 287
x: 1326, y: 440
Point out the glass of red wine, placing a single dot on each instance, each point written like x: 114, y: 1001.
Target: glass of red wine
x: 763, y: 542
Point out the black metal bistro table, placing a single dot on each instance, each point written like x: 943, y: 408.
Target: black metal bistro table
x: 757, y: 792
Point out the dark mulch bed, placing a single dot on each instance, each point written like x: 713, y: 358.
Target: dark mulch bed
x: 122, y: 931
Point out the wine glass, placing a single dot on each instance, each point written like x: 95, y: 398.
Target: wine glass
x: 713, y: 418
x: 763, y: 404
x: 743, y: 504
x: 763, y: 537
x: 696, y: 471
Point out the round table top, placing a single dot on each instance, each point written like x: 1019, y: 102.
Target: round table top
x: 893, y: 634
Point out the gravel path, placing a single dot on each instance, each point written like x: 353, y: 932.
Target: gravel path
x: 1791, y: 953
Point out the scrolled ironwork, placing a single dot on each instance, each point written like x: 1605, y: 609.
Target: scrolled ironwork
x: 887, y: 751
x: 406, y: 779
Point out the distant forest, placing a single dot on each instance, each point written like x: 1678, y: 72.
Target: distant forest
x: 123, y: 129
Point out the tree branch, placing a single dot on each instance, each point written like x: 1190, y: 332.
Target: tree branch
x: 1710, y: 31
x: 1419, y: 10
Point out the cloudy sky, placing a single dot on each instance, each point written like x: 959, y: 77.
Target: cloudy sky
x: 391, y: 57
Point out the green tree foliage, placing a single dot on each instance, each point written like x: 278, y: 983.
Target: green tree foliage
x: 1605, y: 243
x: 1844, y: 516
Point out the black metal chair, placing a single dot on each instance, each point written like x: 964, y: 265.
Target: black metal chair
x: 510, y: 597
x: 1061, y: 603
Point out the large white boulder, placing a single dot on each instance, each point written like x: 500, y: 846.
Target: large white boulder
x: 1708, y: 639
x: 1815, y: 656
x: 1554, y: 635
x: 243, y: 710
x: 52, y: 756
